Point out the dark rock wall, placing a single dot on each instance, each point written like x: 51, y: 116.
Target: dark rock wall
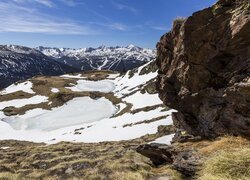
x: 204, y: 70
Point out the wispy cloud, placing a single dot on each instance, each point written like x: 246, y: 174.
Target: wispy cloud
x: 72, y: 3
x: 69, y: 2
x: 107, y: 22
x: 47, y: 3
x: 15, y: 18
x: 110, y: 25
x: 120, y: 6
x: 160, y: 28
x: 20, y: 16
x: 118, y: 26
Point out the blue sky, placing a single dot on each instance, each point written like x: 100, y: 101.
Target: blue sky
x: 91, y: 23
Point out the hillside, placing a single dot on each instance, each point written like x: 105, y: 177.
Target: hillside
x: 91, y: 107
x: 102, y: 115
x: 20, y: 63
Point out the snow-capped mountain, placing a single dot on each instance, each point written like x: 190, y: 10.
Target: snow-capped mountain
x: 19, y: 63
x: 108, y: 58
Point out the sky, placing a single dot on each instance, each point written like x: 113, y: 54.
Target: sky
x: 91, y: 23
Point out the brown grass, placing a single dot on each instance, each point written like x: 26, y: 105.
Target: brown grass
x: 11, y: 176
x: 108, y: 160
x: 225, y: 158
x: 230, y: 164
x: 168, y: 171
x: 224, y: 143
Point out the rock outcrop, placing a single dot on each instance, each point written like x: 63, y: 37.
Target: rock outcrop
x: 185, y: 161
x: 204, y: 70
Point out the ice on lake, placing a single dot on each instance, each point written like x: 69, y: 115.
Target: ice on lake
x: 77, y: 111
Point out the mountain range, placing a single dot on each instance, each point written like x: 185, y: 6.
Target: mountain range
x: 19, y: 62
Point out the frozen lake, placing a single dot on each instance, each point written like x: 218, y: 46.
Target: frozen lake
x: 77, y: 111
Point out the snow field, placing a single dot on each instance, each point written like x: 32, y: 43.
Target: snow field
x: 87, y: 120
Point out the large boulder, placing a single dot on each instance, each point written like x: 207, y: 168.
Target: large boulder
x: 204, y: 70
x: 184, y: 160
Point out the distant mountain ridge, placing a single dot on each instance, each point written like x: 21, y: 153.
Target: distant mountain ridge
x: 108, y: 58
x: 20, y: 63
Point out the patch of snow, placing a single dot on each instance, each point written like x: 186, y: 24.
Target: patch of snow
x: 5, y: 147
x: 124, y: 84
x: 22, y: 102
x: 100, y: 86
x: 25, y: 87
x: 105, y: 61
x: 68, y: 76
x: 142, y: 100
x: 107, y: 129
x: 113, y: 76
x: 77, y: 111
x: 55, y: 90
x: 164, y: 139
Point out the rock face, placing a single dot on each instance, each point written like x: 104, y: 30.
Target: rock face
x: 204, y: 70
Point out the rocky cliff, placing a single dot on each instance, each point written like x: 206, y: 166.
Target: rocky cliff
x: 204, y: 70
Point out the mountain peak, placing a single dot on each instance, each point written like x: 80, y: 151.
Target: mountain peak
x: 131, y: 46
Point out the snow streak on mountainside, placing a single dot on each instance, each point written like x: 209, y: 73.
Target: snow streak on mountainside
x: 102, y: 58
x: 19, y: 63
x: 95, y: 106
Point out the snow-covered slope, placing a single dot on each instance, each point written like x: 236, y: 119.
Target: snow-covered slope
x: 108, y: 58
x: 19, y: 63
x: 92, y: 107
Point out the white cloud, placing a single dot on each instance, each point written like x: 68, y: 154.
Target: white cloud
x: 71, y: 2
x: 107, y: 22
x: 18, y: 16
x: 15, y: 18
x: 160, y: 28
x: 47, y: 3
x: 118, y: 26
x: 111, y: 25
x: 120, y: 6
